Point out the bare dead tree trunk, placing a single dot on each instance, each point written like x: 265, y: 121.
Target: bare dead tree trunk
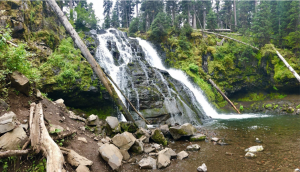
x: 86, y: 53
x: 225, y: 97
x: 234, y: 8
x: 137, y: 8
x: 41, y: 140
x: 287, y: 65
x: 204, y: 15
x: 194, y: 18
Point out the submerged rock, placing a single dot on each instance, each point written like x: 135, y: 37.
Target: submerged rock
x: 181, y: 155
x: 186, y: 129
x: 158, y: 137
x: 254, y: 149
x: 168, y: 152
x: 202, y: 168
x: 250, y: 155
x: 147, y: 163
x: 198, y: 137
x: 111, y: 154
x: 193, y: 147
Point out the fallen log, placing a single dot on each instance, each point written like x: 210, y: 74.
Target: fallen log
x: 126, y: 98
x: 10, y: 153
x: 41, y: 140
x: 225, y: 97
x: 287, y: 65
x: 86, y: 53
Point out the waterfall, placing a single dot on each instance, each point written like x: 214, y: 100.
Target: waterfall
x: 160, y: 94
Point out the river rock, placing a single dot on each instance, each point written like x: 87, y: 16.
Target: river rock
x: 125, y: 154
x: 186, y: 129
x: 149, y: 149
x: 202, y: 168
x: 59, y: 101
x: 111, y: 154
x: 168, y: 152
x: 113, y: 124
x: 193, y: 147
x: 298, y: 112
x: 164, y: 129
x: 7, y: 122
x: 181, y: 155
x: 138, y: 146
x: 147, y: 163
x: 143, y: 132
x: 254, y: 149
x: 20, y: 82
x: 3, y: 104
x: 13, y: 140
x: 198, y: 137
x: 82, y: 139
x: 92, y: 120
x: 82, y: 168
x: 250, y: 155
x: 156, y: 146
x: 158, y: 137
x: 124, y: 141
x: 290, y: 110
x: 141, y: 124
x: 75, y: 159
x: 163, y: 161
x: 215, y: 139
x: 128, y: 126
x: 297, y: 170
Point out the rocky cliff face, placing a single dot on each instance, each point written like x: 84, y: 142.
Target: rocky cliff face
x: 158, y: 96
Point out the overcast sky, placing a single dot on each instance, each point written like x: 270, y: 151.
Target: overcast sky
x: 98, y: 7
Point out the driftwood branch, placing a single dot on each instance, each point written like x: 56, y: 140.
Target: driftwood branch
x: 86, y: 53
x: 287, y: 65
x: 9, y: 153
x: 126, y: 98
x: 26, y: 144
x: 225, y: 97
x: 41, y: 140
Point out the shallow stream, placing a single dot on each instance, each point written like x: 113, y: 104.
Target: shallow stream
x: 280, y: 136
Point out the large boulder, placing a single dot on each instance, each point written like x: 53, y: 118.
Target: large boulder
x: 138, y: 146
x: 111, y: 154
x: 113, y: 124
x: 186, y: 129
x: 124, y: 141
x: 20, y: 82
x: 7, y: 122
x: 181, y: 155
x: 168, y: 152
x: 143, y: 132
x: 92, y: 120
x: 147, y: 163
x: 158, y: 137
x: 13, y: 140
x: 163, y: 161
x: 76, y: 160
x: 128, y: 126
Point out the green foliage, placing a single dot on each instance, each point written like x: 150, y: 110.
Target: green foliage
x: 253, y: 97
x: 86, y: 18
x: 194, y: 68
x: 160, y: 25
x: 298, y: 107
x: 211, y: 20
x: 69, y: 62
x: 241, y: 108
x: 134, y: 26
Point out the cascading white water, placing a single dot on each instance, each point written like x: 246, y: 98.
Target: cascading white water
x: 114, y: 41
x: 155, y: 61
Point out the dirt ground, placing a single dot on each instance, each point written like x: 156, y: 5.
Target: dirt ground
x: 54, y: 114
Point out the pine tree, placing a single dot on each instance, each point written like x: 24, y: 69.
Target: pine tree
x: 262, y: 25
x: 134, y: 26
x: 246, y: 10
x: 211, y: 20
x: 160, y: 26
